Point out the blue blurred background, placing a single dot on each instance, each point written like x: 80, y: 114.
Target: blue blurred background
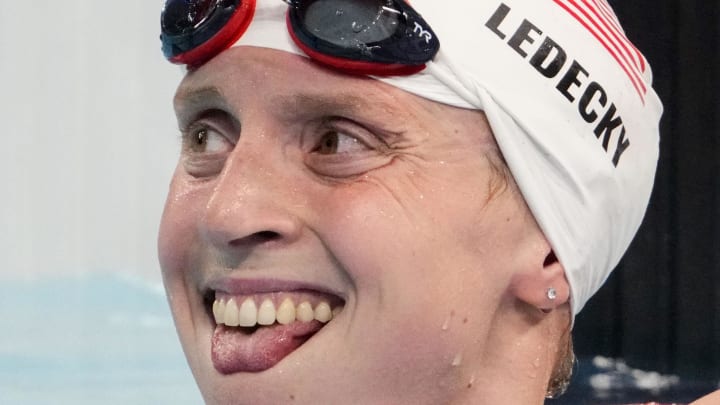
x: 93, y: 339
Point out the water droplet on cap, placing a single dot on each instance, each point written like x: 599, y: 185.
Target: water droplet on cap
x: 357, y: 27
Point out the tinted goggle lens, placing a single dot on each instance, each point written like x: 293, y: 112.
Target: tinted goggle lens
x: 374, y: 33
x: 189, y: 24
x: 348, y: 23
x: 182, y: 17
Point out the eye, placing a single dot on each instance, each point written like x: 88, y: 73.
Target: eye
x: 333, y: 142
x: 204, y: 139
x: 209, y: 141
x: 343, y: 149
x: 205, y: 149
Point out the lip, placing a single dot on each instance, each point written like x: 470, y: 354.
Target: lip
x: 235, y: 350
x: 240, y: 286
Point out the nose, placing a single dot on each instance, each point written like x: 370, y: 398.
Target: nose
x: 251, y: 203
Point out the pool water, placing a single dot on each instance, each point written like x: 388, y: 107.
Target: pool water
x: 90, y: 340
x: 600, y: 381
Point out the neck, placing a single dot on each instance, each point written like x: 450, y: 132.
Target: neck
x: 520, y: 364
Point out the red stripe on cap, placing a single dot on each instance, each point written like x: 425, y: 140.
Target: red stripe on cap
x: 574, y: 10
x: 619, y: 40
x: 612, y: 19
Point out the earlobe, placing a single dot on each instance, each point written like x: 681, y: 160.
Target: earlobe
x: 542, y: 286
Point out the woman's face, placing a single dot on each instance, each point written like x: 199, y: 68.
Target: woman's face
x: 302, y: 188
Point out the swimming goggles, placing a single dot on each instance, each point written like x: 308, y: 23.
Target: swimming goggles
x: 373, y: 37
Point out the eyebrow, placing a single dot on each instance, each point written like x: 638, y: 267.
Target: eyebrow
x: 336, y: 103
x: 189, y: 103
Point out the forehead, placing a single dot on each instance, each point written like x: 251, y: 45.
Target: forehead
x: 289, y: 82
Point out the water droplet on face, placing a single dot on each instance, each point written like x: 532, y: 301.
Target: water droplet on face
x: 457, y: 361
x: 472, y: 381
x: 536, y: 363
x: 446, y: 324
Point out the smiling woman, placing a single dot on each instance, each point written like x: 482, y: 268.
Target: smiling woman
x: 333, y: 237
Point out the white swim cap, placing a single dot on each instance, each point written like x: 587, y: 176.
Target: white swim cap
x: 570, y: 103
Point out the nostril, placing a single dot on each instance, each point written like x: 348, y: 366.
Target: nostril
x: 266, y: 236
x: 257, y: 238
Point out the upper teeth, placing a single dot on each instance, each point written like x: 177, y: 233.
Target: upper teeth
x: 248, y: 314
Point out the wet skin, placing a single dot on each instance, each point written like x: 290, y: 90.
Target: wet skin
x: 291, y: 173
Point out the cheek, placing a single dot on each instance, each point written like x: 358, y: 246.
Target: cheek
x: 406, y: 226
x: 177, y: 240
x: 367, y: 231
x: 414, y: 268
x: 178, y: 228
x: 423, y: 245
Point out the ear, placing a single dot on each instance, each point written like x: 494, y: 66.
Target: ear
x: 542, y: 276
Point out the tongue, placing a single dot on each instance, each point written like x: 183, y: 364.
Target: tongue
x: 234, y: 350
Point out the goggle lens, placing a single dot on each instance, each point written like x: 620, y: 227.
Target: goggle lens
x: 182, y: 17
x: 193, y: 31
x: 360, y: 36
x: 349, y: 23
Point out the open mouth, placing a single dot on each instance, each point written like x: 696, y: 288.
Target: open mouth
x: 255, y: 332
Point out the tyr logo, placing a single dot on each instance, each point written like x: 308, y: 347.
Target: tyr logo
x: 422, y: 33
